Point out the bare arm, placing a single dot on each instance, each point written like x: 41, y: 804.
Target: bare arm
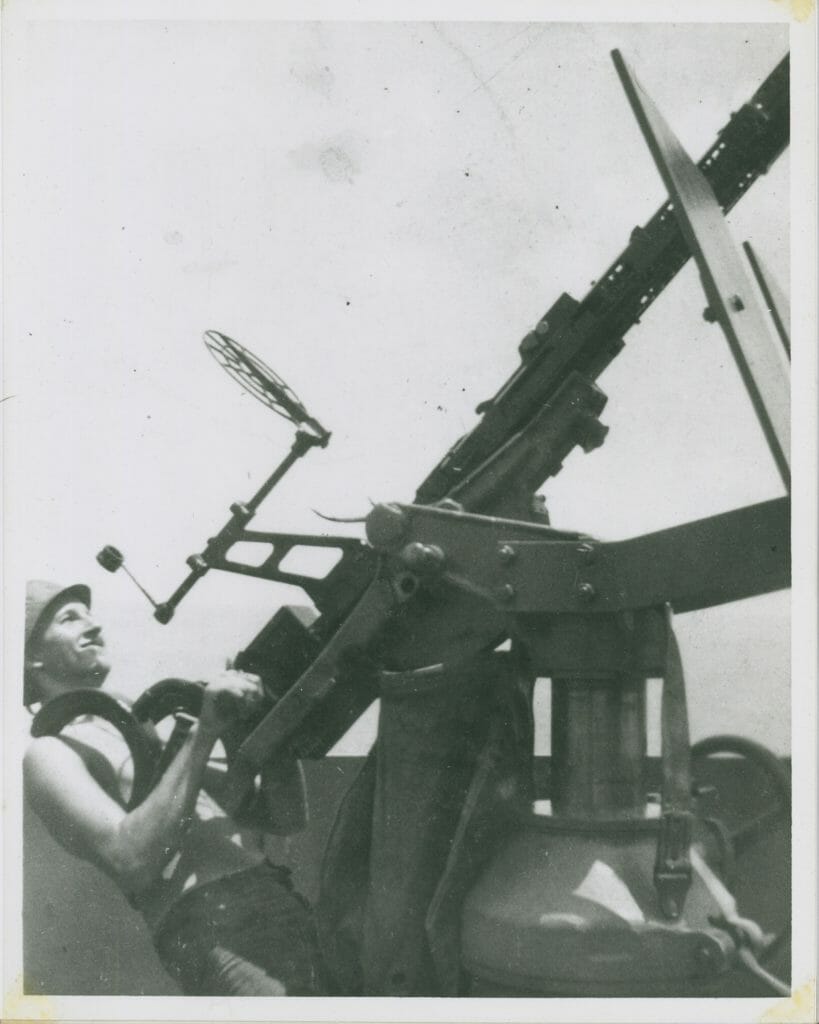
x: 134, y: 846
x: 131, y: 846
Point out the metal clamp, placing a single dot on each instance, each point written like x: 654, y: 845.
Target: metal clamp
x: 672, y: 868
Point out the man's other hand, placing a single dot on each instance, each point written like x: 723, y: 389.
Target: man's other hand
x: 229, y: 697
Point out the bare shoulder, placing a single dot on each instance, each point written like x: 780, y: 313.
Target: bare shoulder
x: 48, y: 755
x: 69, y: 798
x: 56, y: 765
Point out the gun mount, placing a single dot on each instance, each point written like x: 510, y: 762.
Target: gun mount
x: 418, y: 615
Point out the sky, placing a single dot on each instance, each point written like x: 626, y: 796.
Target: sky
x: 380, y: 211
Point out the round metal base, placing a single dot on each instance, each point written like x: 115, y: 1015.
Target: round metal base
x: 565, y: 910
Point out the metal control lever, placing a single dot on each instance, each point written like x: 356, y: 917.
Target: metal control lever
x: 264, y: 384
x: 112, y: 559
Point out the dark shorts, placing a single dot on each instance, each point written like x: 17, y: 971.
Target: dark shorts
x: 249, y: 934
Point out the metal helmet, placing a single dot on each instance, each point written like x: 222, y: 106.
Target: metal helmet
x: 42, y: 597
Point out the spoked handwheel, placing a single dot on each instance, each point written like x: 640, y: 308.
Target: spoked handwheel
x: 182, y: 700
x: 756, y: 839
x: 263, y: 383
x: 775, y: 784
x: 260, y: 807
x: 169, y: 697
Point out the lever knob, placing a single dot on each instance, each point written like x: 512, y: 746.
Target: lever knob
x: 110, y: 558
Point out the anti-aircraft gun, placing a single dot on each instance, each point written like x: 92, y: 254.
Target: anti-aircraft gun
x: 439, y: 878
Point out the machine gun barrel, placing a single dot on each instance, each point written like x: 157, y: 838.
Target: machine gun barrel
x: 585, y: 336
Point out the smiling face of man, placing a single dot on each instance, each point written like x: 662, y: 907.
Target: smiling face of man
x: 71, y: 649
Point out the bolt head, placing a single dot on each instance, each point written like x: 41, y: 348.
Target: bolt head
x: 506, y: 553
x: 422, y: 557
x: 586, y: 592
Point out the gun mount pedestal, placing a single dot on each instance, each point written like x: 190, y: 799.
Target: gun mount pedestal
x: 565, y: 909
x: 608, y: 894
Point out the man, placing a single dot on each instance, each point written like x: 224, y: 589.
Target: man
x: 224, y: 921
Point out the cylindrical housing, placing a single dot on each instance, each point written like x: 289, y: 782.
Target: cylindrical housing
x: 598, y: 747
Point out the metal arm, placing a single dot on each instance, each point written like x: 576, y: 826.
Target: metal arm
x: 234, y: 530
